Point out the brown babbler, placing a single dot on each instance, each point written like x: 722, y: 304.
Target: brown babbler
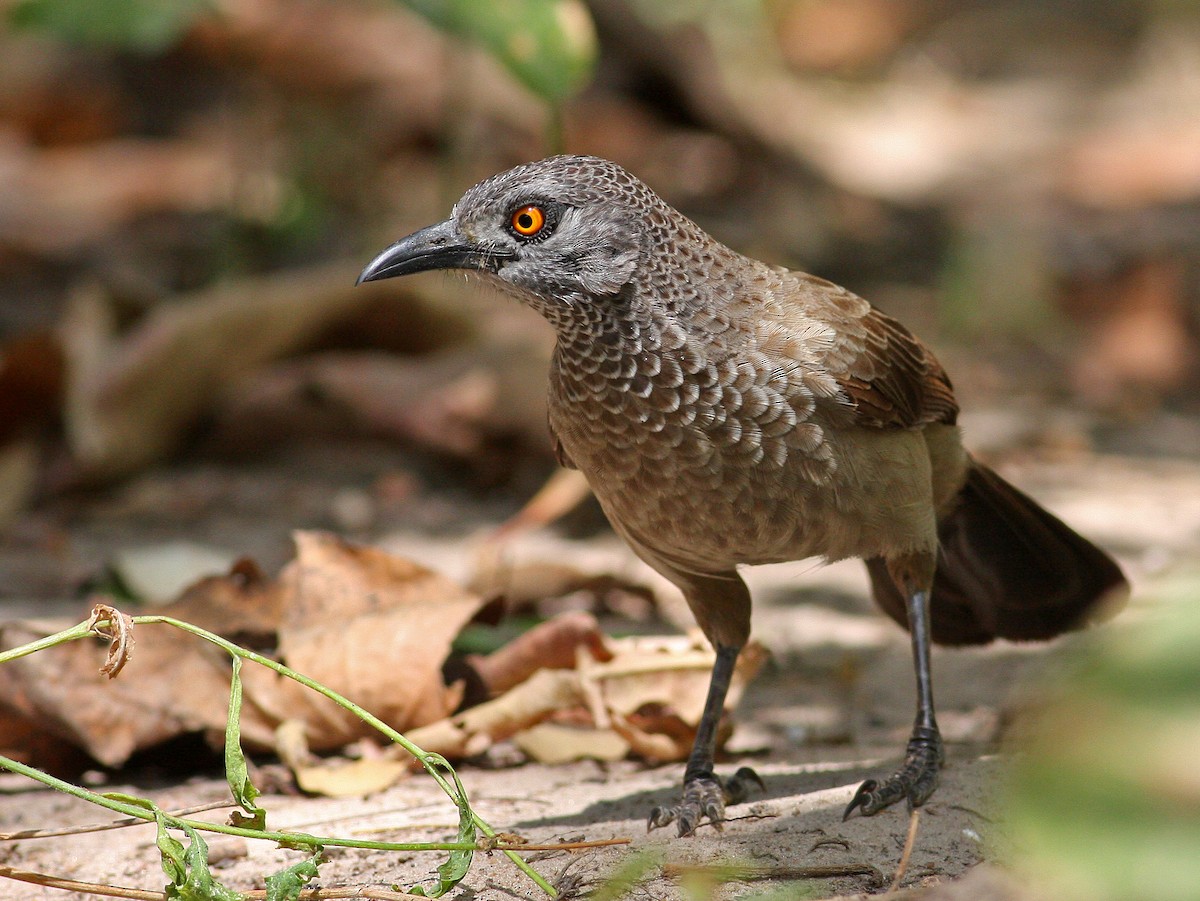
x: 728, y: 412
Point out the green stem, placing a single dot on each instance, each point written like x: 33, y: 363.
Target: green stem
x: 293, y: 838
x: 72, y: 634
x: 433, y: 763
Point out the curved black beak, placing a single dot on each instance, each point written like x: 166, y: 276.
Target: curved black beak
x: 439, y: 246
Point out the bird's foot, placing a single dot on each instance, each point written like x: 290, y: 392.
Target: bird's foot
x: 913, y: 782
x: 705, y: 796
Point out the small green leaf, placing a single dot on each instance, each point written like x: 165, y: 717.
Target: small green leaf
x: 148, y: 26
x: 244, y: 791
x: 172, y: 853
x: 187, y: 869
x: 286, y: 884
x: 451, y: 872
x: 548, y: 45
x: 144, y: 803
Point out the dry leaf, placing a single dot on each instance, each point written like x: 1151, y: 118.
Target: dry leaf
x: 243, y: 603
x: 31, y: 383
x: 554, y: 644
x: 649, y: 695
x: 473, y: 731
x: 672, y: 671
x: 376, y: 628
x: 477, y: 388
x: 1136, y: 164
x: 60, y: 198
x: 174, y: 684
x: 131, y: 397
x: 349, y: 617
x: 555, y: 743
x: 373, y: 627
x: 1138, y: 344
x: 340, y: 778
x: 335, y: 777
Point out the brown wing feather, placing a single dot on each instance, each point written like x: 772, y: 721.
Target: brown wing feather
x: 890, y: 379
x: 895, y: 381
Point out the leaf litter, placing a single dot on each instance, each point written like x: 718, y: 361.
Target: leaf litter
x: 377, y: 628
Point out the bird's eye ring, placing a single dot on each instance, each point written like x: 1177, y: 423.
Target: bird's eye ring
x: 528, y: 220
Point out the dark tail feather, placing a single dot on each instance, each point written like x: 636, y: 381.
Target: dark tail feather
x: 1008, y: 569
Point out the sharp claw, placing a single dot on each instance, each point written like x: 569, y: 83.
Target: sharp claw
x: 715, y: 813
x: 746, y: 774
x: 861, y: 798
x: 660, y: 816
x: 914, y: 782
x: 737, y: 787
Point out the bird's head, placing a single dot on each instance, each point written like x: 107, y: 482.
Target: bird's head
x: 560, y: 233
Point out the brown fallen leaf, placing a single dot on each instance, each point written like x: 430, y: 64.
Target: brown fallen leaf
x: 173, y: 685
x: 656, y: 746
x: 374, y: 627
x: 31, y: 383
x: 27, y: 739
x: 61, y: 198
x: 336, y: 777
x: 475, y: 730
x: 649, y: 694
x: 668, y: 670
x: 554, y: 644
x: 130, y: 397
x: 244, y: 603
x: 1137, y: 344
x: 556, y: 743
x: 475, y: 389
x: 1135, y: 163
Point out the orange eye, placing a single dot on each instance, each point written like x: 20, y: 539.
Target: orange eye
x: 528, y: 221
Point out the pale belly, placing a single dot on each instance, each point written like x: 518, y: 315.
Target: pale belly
x: 872, y: 496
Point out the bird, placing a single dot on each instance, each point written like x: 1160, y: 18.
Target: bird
x: 728, y: 413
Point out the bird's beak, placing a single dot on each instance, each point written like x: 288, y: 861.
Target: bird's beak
x: 439, y: 246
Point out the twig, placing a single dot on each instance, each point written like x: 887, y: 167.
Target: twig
x: 119, y: 891
x: 840, y: 842
x: 914, y: 820
x: 71, y: 885
x: 755, y: 874
x: 103, y: 827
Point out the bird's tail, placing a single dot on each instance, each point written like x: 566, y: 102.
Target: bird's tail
x: 1008, y: 569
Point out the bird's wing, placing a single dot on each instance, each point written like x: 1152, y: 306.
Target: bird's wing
x: 884, y: 374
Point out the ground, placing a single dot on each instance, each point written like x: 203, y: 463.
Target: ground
x: 832, y: 708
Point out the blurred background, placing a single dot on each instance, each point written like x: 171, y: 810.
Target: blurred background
x: 188, y: 189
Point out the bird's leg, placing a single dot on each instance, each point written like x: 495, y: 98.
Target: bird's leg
x: 705, y: 795
x: 915, y: 781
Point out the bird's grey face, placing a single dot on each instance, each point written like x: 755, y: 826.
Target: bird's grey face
x: 560, y: 233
